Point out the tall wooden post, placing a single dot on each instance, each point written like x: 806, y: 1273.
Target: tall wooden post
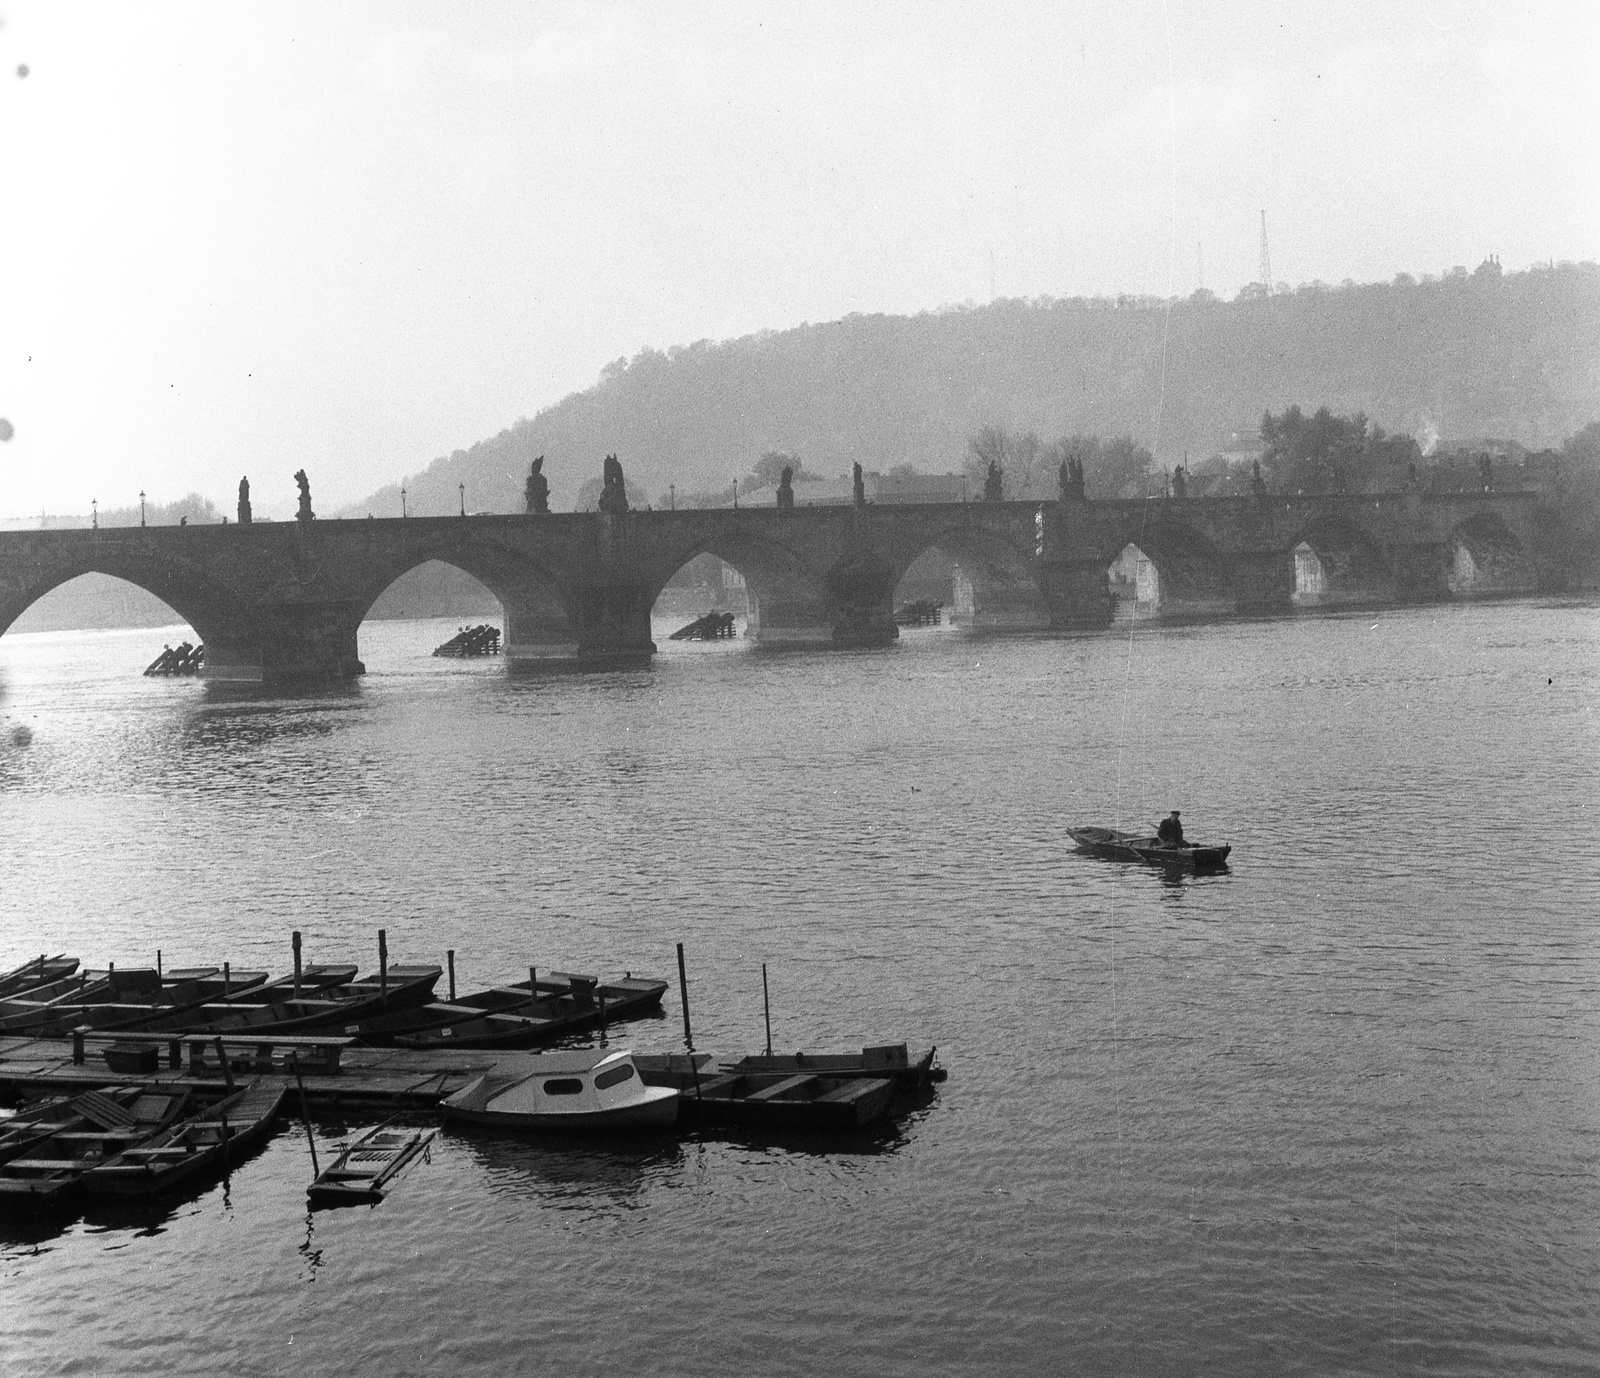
x: 450, y: 961
x: 383, y: 966
x: 294, y: 939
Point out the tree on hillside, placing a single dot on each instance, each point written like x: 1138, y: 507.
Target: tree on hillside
x: 1324, y: 453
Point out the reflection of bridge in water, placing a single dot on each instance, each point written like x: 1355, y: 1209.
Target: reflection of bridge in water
x: 283, y: 601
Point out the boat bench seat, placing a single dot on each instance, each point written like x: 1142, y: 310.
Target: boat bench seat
x: 41, y: 1164
x: 783, y: 1087
x: 98, y: 1136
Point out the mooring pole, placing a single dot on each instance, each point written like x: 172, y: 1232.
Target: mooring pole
x: 450, y: 961
x: 683, y: 993
x: 383, y: 967
x: 222, y: 1057
x: 688, y: 1037
x: 158, y: 964
x: 227, y: 979
x: 533, y: 983
x: 294, y: 940
x: 766, y: 1006
x: 305, y: 1115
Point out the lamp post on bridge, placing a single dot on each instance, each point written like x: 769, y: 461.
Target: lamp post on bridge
x: 402, y: 501
x: 94, y: 509
x: 672, y: 496
x: 736, y: 495
x: 463, y: 488
x: 141, y: 507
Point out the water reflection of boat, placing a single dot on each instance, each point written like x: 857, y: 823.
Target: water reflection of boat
x: 1115, y: 845
x: 215, y: 1137
x: 585, y: 1092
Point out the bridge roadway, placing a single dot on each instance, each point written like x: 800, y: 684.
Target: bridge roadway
x: 280, y: 602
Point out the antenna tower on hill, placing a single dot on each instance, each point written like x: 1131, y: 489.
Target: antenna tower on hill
x: 1266, y: 260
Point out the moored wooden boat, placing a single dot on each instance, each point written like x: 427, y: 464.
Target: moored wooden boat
x: 56, y: 1114
x: 591, y: 1091
x: 365, y: 1171
x: 890, y: 1060
x: 510, y: 1017
x: 330, y: 1007
x: 128, y: 998
x: 52, y: 1167
x: 1116, y: 845
x: 781, y: 1100
x: 213, y: 1138
x: 35, y: 972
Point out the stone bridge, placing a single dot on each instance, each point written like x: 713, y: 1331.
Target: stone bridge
x: 282, y: 601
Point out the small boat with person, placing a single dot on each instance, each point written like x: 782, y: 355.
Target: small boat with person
x: 594, y: 1090
x: 1112, y: 844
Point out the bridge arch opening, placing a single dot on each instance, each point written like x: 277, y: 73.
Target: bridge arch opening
x: 1338, y: 562
x: 979, y: 580
x: 706, y: 599
x: 427, y: 607
x: 1486, y: 559
x: 775, y: 597
x: 1167, y: 570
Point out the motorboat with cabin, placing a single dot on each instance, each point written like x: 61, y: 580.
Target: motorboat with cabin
x: 593, y: 1090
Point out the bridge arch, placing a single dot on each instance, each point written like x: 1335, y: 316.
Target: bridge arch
x: 994, y: 583
x: 537, y: 610
x: 1186, y: 575
x: 194, y: 594
x: 1485, y: 557
x: 788, y: 601
x: 1337, y: 561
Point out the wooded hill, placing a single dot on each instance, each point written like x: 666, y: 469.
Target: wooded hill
x: 1512, y: 356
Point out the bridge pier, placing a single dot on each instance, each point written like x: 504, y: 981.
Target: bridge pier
x: 1262, y: 581
x: 1077, y: 593
x: 286, y: 644
x: 1420, y: 571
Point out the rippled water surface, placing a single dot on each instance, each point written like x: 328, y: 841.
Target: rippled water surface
x: 1337, y: 1110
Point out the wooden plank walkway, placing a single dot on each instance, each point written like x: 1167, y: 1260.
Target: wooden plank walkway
x: 384, y: 1077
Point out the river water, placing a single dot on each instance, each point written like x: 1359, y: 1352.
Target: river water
x: 1336, y: 1111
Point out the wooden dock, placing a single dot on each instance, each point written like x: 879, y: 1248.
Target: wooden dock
x: 388, y: 1078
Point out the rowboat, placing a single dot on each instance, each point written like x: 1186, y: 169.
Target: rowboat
x: 514, y: 1017
x: 214, y: 1137
x: 28, y: 1126
x: 331, y: 1006
x: 365, y: 1171
x: 782, y: 1100
x: 586, y: 1092
x: 36, y: 972
x: 53, y: 1166
x: 1120, y: 846
x: 131, y: 997
x: 890, y: 1060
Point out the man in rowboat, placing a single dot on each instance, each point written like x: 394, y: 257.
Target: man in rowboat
x: 1169, y: 832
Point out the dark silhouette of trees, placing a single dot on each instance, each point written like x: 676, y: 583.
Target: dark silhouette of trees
x: 1324, y: 453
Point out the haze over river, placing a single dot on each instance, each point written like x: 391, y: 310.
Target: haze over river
x: 1336, y: 1111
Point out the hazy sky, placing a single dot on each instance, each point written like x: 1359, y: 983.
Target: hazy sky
x: 354, y: 237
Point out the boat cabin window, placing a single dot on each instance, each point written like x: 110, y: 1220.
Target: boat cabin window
x: 563, y: 1086
x: 613, y: 1076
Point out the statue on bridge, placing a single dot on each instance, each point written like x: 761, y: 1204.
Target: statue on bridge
x: 858, y: 486
x: 993, y: 483
x: 1180, y: 481
x: 537, y: 488
x: 1486, y: 473
x: 1258, y: 485
x: 244, y: 502
x: 614, y: 496
x: 786, y: 486
x: 305, y: 514
x: 1071, y: 480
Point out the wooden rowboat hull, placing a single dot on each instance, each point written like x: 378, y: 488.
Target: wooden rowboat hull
x: 1113, y: 845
